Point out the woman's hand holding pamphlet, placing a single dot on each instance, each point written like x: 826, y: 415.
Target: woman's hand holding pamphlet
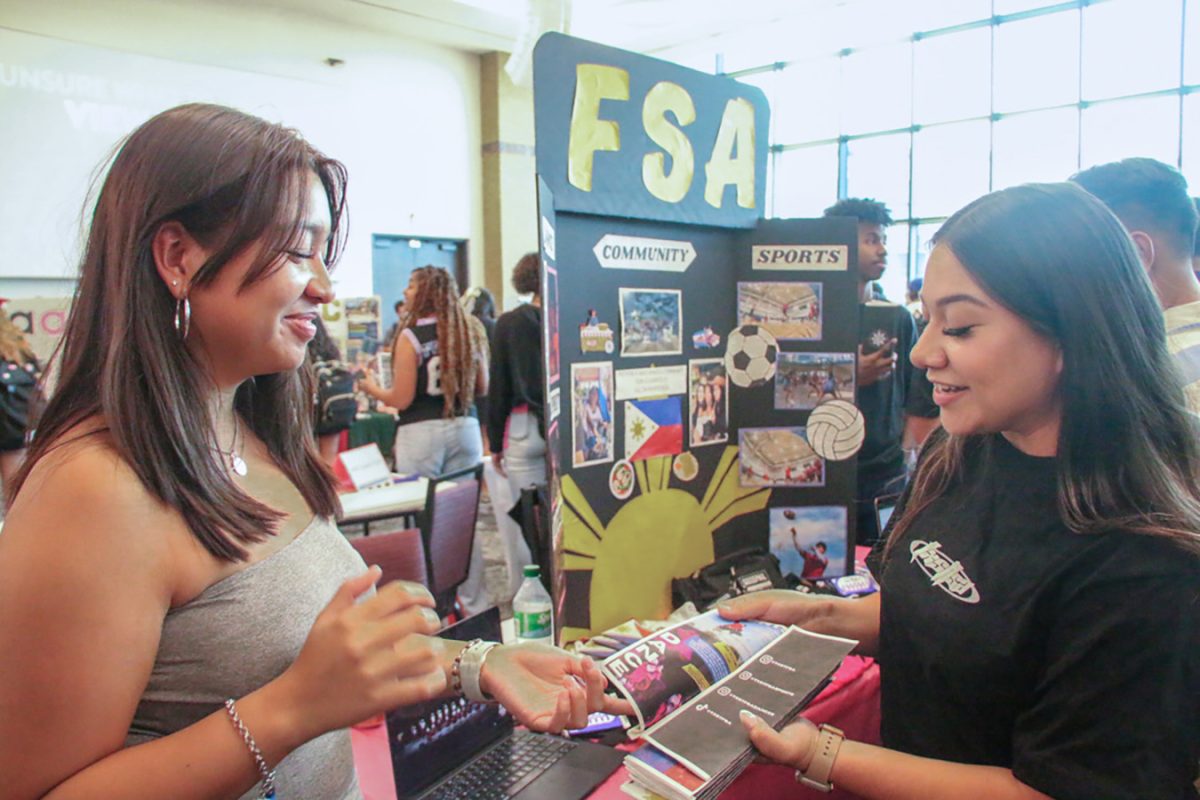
x: 688, y: 683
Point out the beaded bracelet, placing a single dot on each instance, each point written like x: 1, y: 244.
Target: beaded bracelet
x: 268, y: 774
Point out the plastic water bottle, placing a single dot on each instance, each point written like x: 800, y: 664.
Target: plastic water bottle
x: 533, y: 609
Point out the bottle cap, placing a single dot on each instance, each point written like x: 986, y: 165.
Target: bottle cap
x: 532, y: 571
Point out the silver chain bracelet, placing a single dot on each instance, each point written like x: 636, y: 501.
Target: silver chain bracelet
x: 268, y: 774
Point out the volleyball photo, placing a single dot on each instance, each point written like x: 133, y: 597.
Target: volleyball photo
x: 803, y: 380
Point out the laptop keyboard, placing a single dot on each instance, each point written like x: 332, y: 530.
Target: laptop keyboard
x: 505, y: 769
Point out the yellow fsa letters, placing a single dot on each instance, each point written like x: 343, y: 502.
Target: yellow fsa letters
x: 589, y: 133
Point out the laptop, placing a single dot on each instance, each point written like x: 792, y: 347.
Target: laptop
x: 884, y: 506
x: 451, y: 748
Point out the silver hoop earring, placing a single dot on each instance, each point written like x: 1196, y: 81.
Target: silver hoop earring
x: 183, y: 317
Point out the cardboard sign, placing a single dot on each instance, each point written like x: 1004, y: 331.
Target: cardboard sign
x: 366, y: 467
x: 633, y: 384
x: 632, y: 136
x: 43, y: 320
x: 651, y: 179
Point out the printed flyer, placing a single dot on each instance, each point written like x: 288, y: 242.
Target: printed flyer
x: 697, y: 749
x: 661, y: 672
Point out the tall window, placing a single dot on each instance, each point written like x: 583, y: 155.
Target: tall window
x: 932, y: 103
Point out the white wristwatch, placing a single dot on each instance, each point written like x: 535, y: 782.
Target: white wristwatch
x: 470, y: 670
x: 829, y: 742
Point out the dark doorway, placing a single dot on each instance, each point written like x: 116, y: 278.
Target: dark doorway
x: 394, y: 257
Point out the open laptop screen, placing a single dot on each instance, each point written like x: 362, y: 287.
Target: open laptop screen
x: 884, y: 506
x: 429, y: 740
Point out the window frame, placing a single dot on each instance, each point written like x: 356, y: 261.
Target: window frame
x: 905, y: 216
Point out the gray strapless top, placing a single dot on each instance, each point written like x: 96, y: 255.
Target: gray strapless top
x: 241, y: 633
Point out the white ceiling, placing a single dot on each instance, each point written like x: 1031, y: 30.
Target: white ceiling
x: 483, y: 25
x: 183, y: 28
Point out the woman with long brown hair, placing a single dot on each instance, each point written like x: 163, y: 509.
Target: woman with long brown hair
x: 1038, y: 622
x: 439, y: 367
x: 179, y: 616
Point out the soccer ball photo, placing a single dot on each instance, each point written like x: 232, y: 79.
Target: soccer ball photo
x: 750, y: 356
x: 836, y: 430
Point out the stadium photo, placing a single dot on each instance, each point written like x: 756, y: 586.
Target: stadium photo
x: 651, y: 322
x: 786, y: 310
x: 804, y: 379
x: 778, y: 457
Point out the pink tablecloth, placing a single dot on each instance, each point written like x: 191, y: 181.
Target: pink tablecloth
x: 851, y: 702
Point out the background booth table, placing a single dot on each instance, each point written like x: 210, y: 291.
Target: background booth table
x: 373, y: 426
x: 850, y: 702
x: 402, y: 500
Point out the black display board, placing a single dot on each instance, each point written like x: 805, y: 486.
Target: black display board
x: 655, y: 311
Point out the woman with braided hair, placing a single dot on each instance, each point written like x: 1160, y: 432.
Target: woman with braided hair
x: 439, y: 367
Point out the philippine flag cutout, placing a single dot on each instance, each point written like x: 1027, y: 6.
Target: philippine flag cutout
x: 653, y: 428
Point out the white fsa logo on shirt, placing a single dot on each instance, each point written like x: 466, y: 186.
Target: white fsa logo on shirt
x: 943, y: 572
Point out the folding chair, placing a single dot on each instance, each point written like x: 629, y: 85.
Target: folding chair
x: 400, y: 554
x: 448, y: 531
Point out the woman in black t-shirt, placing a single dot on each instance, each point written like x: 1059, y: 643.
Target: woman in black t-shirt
x: 1038, y: 623
x: 439, y: 367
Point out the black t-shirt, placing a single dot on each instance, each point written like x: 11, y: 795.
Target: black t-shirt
x: 429, y: 402
x: 885, y: 403
x: 1007, y: 640
x: 516, y: 373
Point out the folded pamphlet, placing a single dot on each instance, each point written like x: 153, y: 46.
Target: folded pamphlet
x: 688, y: 683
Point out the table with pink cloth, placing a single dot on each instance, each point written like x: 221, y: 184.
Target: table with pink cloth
x: 851, y: 702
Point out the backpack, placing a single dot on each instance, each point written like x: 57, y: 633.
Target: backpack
x: 337, y: 404
x: 18, y: 395
x: 729, y: 576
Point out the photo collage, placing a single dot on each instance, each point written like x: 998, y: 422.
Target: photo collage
x: 623, y: 414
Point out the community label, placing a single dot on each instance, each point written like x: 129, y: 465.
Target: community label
x: 614, y: 251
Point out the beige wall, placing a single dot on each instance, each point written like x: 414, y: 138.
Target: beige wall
x: 402, y: 115
x: 509, y: 181
x: 439, y: 142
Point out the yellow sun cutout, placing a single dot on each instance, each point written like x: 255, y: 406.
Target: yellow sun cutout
x: 661, y: 534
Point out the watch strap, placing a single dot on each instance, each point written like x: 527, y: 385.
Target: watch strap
x: 471, y: 670
x: 829, y: 743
